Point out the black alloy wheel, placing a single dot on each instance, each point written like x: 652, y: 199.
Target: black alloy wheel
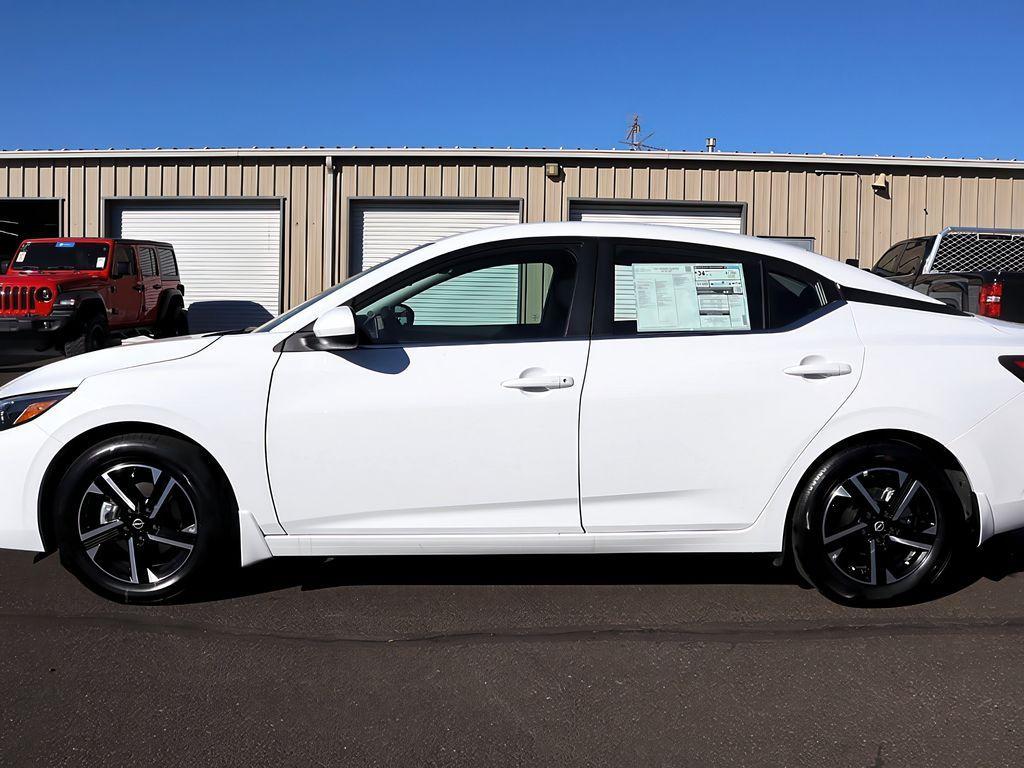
x: 876, y: 523
x: 144, y: 517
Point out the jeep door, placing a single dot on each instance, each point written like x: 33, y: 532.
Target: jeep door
x: 124, y: 294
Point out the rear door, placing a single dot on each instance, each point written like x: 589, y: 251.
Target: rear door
x: 150, y: 278
x: 709, y: 372
x: 125, y: 292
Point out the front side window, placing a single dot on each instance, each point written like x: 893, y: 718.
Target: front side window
x: 670, y: 290
x: 517, y: 295
x: 124, y: 262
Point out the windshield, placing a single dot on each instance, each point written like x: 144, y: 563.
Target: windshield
x: 61, y: 255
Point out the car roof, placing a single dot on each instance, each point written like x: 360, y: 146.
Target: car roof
x: 125, y: 240
x: 830, y: 269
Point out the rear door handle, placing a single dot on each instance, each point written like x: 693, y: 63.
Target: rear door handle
x: 539, y: 382
x: 819, y: 370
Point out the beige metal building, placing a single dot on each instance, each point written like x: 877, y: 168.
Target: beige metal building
x: 269, y: 227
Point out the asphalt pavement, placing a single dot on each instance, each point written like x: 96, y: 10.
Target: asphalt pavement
x: 550, y: 661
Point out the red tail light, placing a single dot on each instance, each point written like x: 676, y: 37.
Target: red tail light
x: 1014, y: 364
x: 990, y: 302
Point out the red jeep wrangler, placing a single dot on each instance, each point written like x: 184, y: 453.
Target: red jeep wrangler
x: 72, y: 294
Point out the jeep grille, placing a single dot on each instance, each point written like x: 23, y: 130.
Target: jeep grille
x: 17, y: 299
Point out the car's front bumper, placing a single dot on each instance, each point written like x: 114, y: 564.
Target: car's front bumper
x: 32, y: 332
x: 26, y: 452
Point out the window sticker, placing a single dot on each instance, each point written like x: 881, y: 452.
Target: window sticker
x: 21, y: 256
x: 65, y: 245
x: 101, y: 262
x: 690, y: 297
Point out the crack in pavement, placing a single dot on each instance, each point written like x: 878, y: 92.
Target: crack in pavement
x: 723, y: 633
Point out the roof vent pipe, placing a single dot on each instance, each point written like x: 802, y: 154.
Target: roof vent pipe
x: 711, y: 141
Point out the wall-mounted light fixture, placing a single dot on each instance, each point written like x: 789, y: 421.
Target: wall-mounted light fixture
x: 880, y: 183
x: 552, y: 170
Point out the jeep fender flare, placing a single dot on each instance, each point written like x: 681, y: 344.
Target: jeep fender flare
x: 87, y: 302
x: 167, y: 300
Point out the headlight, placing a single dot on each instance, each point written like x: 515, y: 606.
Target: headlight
x: 44, y: 294
x: 22, y: 408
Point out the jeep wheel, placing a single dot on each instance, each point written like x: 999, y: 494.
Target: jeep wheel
x: 174, y: 323
x: 92, y: 335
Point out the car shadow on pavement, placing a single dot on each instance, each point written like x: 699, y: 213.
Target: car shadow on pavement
x: 499, y: 570
x: 1002, y: 556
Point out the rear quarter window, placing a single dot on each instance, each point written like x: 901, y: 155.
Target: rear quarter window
x: 168, y: 264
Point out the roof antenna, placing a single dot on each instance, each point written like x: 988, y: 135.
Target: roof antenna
x: 633, y: 138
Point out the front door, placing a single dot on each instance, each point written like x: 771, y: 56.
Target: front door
x: 459, y: 411
x: 709, y: 372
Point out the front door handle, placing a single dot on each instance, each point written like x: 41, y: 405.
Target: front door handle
x: 539, y: 382
x: 819, y: 370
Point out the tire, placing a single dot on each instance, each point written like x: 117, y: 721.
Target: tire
x: 877, y: 523
x: 143, y: 518
x: 92, y: 335
x: 173, y: 323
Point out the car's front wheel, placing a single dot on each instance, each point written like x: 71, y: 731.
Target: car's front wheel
x: 142, y: 518
x: 876, y: 523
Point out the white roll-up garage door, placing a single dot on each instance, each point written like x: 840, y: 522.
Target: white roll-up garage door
x: 383, y: 230
x: 724, y: 218
x: 229, y: 257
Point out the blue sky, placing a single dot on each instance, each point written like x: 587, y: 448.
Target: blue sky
x: 865, y: 77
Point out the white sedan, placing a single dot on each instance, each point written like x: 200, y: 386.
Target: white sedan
x: 550, y: 388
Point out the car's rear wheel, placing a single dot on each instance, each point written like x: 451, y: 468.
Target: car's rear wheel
x: 143, y: 518
x: 173, y: 323
x: 876, y: 523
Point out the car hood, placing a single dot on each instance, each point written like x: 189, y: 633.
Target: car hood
x: 69, y: 373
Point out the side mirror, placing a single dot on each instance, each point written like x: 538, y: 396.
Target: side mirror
x: 336, y: 329
x: 4, y: 265
x: 853, y: 262
x: 118, y: 271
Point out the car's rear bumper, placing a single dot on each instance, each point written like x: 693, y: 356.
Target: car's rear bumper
x: 992, y: 454
x: 27, y: 451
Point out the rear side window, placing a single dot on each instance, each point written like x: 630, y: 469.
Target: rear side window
x: 665, y: 289
x: 912, y: 258
x: 168, y: 264
x: 147, y: 260
x: 888, y: 264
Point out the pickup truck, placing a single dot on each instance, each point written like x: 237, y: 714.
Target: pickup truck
x: 73, y: 294
x: 974, y: 269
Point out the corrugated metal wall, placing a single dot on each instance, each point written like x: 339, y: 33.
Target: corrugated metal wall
x: 783, y: 199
